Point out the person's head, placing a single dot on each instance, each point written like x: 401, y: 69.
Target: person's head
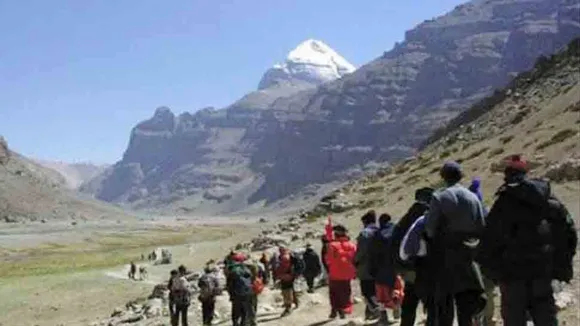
x: 475, y: 187
x: 239, y: 257
x: 283, y: 250
x: 451, y: 173
x: 308, y: 246
x: 515, y: 169
x: 339, y: 231
x: 369, y: 218
x: 384, y: 219
x: 182, y: 270
x: 173, y: 273
x: 424, y: 195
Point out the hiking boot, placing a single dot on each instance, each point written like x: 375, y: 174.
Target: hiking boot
x: 397, y: 313
x: 383, y: 319
x: 371, y: 314
x: 333, y: 314
x: 342, y: 314
x: 286, y: 312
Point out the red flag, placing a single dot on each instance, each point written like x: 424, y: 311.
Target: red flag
x: 328, y: 229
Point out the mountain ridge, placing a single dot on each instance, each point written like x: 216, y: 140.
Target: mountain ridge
x: 265, y: 147
x: 33, y: 192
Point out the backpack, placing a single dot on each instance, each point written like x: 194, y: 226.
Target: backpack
x: 258, y: 285
x: 240, y: 280
x: 564, y: 239
x: 298, y: 265
x: 179, y: 291
x: 551, y: 237
x: 413, y: 245
x: 208, y: 287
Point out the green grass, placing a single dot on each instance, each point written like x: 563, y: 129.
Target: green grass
x: 97, y: 252
x: 372, y: 189
x: 477, y: 153
x: 506, y: 139
x: 559, y: 137
x: 496, y: 152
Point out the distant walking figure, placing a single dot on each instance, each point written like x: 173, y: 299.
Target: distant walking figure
x: 143, y: 275
x: 132, y: 271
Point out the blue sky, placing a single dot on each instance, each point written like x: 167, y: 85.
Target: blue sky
x: 77, y: 75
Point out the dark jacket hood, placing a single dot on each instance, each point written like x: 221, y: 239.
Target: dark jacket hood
x: 529, y: 191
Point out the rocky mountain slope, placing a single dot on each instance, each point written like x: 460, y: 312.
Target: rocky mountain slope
x: 32, y: 192
x: 74, y: 174
x: 537, y: 115
x: 274, y: 142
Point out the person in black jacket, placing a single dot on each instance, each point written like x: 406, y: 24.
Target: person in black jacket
x: 381, y: 262
x: 362, y: 263
x: 411, y: 300
x: 312, y: 267
x: 518, y: 246
x: 323, y: 250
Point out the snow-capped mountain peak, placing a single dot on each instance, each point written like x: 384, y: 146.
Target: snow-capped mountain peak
x: 311, y: 61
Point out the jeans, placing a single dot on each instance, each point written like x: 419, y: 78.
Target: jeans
x: 368, y: 290
x: 310, y: 282
x: 534, y: 297
x: 179, y: 310
x: 442, y: 312
x: 243, y: 313
x: 207, y: 311
x: 409, y: 306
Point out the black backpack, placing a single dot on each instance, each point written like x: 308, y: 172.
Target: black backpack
x: 298, y: 265
x: 550, y: 237
x: 563, y: 239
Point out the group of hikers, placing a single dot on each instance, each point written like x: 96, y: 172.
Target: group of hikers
x: 447, y: 252
x: 132, y: 274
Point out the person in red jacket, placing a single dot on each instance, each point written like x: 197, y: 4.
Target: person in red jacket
x: 341, y: 270
x: 285, y: 273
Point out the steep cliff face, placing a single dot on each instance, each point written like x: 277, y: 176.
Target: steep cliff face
x: 275, y: 141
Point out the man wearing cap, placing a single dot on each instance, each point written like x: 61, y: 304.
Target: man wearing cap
x: 453, y: 226
x: 519, y: 250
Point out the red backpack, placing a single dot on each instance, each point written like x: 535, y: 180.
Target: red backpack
x: 258, y: 285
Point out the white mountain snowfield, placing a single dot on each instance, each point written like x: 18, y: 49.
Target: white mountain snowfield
x: 312, y: 61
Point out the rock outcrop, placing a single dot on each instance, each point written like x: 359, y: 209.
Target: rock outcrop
x: 275, y: 141
x: 4, y: 152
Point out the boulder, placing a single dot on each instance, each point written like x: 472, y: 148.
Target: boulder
x: 4, y: 152
x: 294, y: 237
x: 266, y: 242
x: 154, y: 308
x: 569, y: 170
x: 160, y: 291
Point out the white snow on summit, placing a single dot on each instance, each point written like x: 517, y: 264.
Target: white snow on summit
x: 312, y: 61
